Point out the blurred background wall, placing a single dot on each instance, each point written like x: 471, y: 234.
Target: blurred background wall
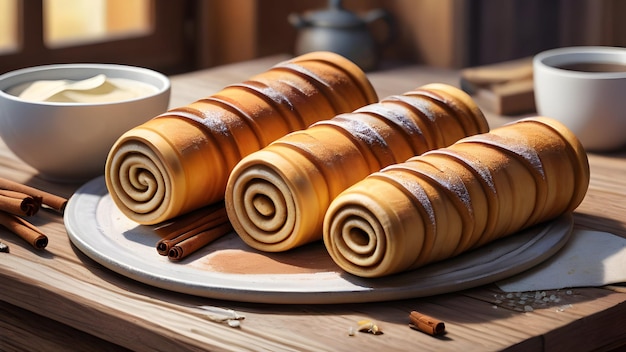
x: 186, y: 35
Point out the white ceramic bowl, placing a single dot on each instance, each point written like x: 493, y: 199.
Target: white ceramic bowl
x: 589, y: 100
x: 69, y: 142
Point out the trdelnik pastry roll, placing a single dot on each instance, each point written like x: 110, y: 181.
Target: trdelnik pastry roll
x: 276, y: 197
x: 180, y: 160
x: 447, y: 201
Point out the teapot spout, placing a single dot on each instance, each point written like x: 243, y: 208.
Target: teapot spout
x: 377, y: 14
x: 297, y: 21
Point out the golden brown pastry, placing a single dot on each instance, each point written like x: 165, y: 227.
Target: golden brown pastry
x: 276, y: 197
x: 453, y: 199
x: 180, y: 160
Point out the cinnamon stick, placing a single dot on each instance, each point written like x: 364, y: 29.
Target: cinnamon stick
x: 164, y: 245
x: 24, y: 229
x: 196, y: 229
x: 427, y: 324
x: 184, y: 248
x: 50, y: 200
x: 18, y: 203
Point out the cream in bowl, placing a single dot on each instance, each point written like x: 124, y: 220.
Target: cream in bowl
x: 63, y: 119
x: 96, y: 89
x: 585, y: 88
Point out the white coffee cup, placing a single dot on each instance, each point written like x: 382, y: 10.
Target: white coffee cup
x: 584, y: 88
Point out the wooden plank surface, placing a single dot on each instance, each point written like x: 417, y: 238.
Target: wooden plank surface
x: 63, y: 285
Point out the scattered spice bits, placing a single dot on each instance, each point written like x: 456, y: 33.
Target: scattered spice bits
x: 222, y: 315
x: 564, y: 307
x: 529, y: 301
x: 426, y: 324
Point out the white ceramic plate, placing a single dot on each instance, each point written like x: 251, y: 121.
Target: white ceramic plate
x: 228, y: 269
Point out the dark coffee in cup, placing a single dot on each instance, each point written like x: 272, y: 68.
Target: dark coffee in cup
x: 584, y: 87
x: 594, y: 67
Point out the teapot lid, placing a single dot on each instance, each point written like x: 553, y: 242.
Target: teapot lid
x: 334, y: 16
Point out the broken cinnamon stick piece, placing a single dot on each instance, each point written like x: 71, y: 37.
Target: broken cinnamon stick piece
x: 24, y: 229
x: 18, y: 203
x: 427, y: 324
x: 48, y: 199
x: 184, y: 248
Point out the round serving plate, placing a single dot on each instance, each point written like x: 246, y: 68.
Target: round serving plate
x: 228, y: 269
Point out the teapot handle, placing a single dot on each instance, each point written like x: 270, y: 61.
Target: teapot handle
x: 384, y: 15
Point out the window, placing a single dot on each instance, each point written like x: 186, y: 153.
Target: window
x: 148, y: 33
x: 8, y: 26
x: 68, y: 22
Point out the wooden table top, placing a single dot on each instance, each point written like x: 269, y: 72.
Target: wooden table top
x: 61, y: 299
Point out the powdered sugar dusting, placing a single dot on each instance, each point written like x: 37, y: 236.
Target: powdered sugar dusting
x: 401, y: 119
x: 423, y: 105
x: 213, y: 121
x: 520, y: 148
x: 530, y: 155
x: 359, y: 129
x: 304, y: 71
x: 473, y: 163
x: 264, y: 90
x: 414, y: 188
x: 453, y: 183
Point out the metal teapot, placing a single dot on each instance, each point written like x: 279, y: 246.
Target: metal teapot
x: 343, y: 32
